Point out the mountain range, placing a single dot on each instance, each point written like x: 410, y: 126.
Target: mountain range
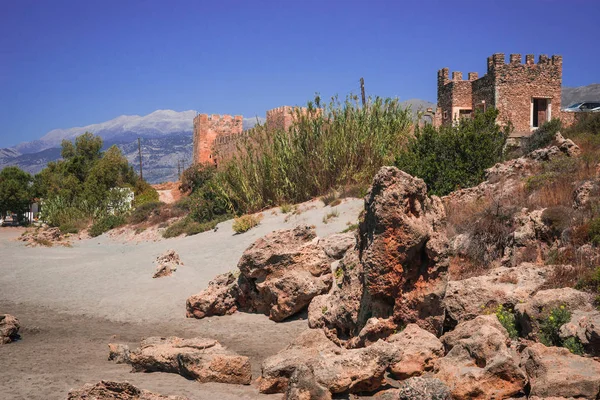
x: 167, y: 138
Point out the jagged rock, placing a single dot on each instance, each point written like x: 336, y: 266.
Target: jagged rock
x: 398, y: 273
x: 107, y: 390
x: 119, y: 353
x: 468, y: 298
x: 555, y: 372
x: 403, y: 249
x: 583, y: 193
x: 338, y: 244
x: 9, y: 328
x: 531, y: 313
x: 585, y: 326
x: 374, y: 329
x: 279, y: 275
x: 204, y: 360
x: 167, y: 263
x: 335, y: 368
x: 479, y: 364
x: 418, y: 388
x: 304, y: 386
x: 338, y: 312
x: 219, y: 298
x: 567, y: 146
x: 416, y: 351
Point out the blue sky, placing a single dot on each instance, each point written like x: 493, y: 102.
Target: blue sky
x: 74, y: 63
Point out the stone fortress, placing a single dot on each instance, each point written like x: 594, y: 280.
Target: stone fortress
x: 526, y: 94
x: 216, y: 136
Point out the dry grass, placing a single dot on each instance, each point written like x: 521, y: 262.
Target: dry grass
x: 246, y: 222
x: 566, y: 276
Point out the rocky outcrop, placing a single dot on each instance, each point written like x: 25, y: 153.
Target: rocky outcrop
x: 585, y: 326
x: 219, y: 298
x: 107, y: 390
x: 479, y: 363
x: 303, y: 385
x: 279, y: 275
x: 338, y: 244
x: 204, y: 360
x: 167, y: 263
x: 530, y: 313
x: 465, y: 299
x: 415, y: 351
x: 555, y: 372
x: 119, y: 353
x: 44, y: 237
x: 398, y: 275
x: 418, y: 388
x: 9, y: 328
x: 337, y: 369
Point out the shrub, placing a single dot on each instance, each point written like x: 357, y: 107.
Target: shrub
x: 350, y: 228
x: 542, y: 136
x: 332, y: 214
x: 190, y: 227
x: 195, y: 177
x: 245, y: 223
x: 454, y: 156
x: 507, y: 319
x: 209, y: 203
x: 574, y: 345
x: 286, y: 208
x: 105, y: 224
x: 558, y: 219
x: 144, y: 211
x: 70, y: 227
x: 588, y: 123
x: 329, y: 197
x: 594, y: 231
x: 550, y: 326
x: 148, y: 195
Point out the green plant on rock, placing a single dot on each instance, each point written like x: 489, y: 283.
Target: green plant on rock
x: 507, y: 319
x: 574, y: 345
x: 245, y: 223
x: 550, y: 326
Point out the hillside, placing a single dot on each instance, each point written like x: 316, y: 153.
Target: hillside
x: 571, y: 95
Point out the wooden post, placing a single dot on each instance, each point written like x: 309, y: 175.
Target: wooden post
x: 140, y: 152
x: 362, y: 91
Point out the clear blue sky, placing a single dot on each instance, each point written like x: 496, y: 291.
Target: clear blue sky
x: 74, y: 63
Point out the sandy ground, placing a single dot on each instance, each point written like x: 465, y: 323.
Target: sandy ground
x: 73, y: 301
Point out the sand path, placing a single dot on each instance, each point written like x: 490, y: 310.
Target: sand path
x: 72, y: 302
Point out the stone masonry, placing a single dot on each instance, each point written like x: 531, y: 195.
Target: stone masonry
x: 526, y: 94
x: 216, y: 136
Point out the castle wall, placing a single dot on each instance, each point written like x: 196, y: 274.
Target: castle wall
x: 207, y: 128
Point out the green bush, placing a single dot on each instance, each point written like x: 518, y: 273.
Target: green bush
x: 195, y: 177
x: 286, y: 208
x: 550, y: 326
x: 542, y: 136
x: 144, y: 211
x: 574, y: 345
x: 105, y: 224
x: 594, y: 231
x: 507, y: 319
x: 245, y: 223
x: 149, y: 195
x: 209, y: 203
x: 587, y: 123
x: 190, y: 227
x: 455, y: 156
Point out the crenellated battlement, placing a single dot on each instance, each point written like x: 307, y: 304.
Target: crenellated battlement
x: 210, y: 129
x: 283, y: 117
x: 525, y: 93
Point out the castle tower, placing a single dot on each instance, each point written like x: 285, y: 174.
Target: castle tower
x: 207, y: 129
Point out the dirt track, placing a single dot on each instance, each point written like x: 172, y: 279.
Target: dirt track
x: 72, y: 302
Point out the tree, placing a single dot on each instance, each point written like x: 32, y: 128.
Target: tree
x: 15, y: 190
x: 451, y: 157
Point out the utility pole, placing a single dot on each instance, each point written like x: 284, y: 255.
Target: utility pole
x: 140, y: 152
x: 362, y: 91
x: 178, y: 169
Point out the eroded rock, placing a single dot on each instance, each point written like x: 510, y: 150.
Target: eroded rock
x: 119, y: 353
x: 219, y: 298
x: 108, y: 390
x: 167, y: 263
x: 555, y: 372
x: 416, y: 349
x: 418, y: 388
x: 204, y: 360
x: 585, y: 326
x: 479, y: 363
x: 9, y: 328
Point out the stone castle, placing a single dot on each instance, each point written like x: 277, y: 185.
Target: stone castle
x: 526, y: 94
x: 216, y: 136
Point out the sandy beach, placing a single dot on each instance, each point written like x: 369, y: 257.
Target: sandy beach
x: 73, y: 301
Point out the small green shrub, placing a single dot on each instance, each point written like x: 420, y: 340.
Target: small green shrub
x: 557, y: 219
x: 350, y: 228
x: 332, y: 214
x: 148, y: 195
x: 245, y: 223
x: 330, y: 197
x: 190, y: 227
x: 550, y: 326
x: 543, y: 136
x: 105, y: 224
x: 507, y: 319
x: 286, y: 208
x: 71, y: 227
x: 594, y: 231
x: 338, y: 273
x: 196, y: 176
x: 574, y: 345
x: 143, y: 212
